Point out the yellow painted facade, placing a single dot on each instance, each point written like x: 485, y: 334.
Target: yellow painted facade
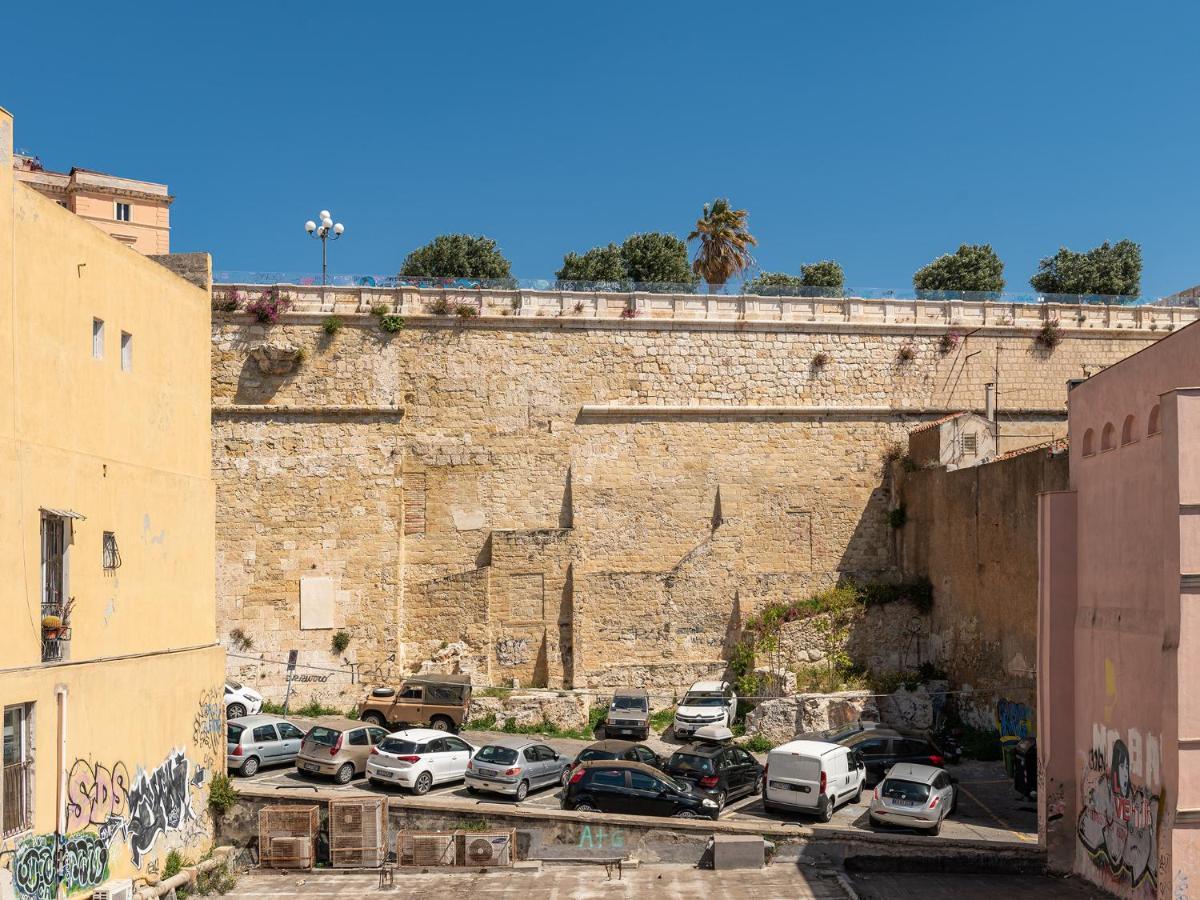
x: 112, y: 736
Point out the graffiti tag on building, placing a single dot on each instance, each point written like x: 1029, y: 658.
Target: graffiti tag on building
x: 159, y: 801
x: 95, y: 794
x: 1119, y: 809
x: 1015, y: 721
x: 42, y: 863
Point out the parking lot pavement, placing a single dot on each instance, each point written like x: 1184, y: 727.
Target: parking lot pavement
x: 577, y: 882
x: 988, y: 807
x: 922, y: 886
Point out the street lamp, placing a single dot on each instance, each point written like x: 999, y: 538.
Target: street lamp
x: 324, y: 232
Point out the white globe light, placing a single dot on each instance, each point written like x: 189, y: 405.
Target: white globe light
x: 310, y: 226
x: 339, y: 228
x: 327, y: 223
x: 324, y: 214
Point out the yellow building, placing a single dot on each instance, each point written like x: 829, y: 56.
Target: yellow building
x: 110, y: 674
x: 136, y: 213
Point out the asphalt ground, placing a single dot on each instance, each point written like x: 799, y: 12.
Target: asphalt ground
x: 988, y: 807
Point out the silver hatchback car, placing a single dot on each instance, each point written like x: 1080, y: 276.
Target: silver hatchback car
x: 914, y: 796
x: 516, y: 767
x: 255, y: 741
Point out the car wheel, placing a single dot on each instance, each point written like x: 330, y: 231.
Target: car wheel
x: 522, y: 791
x: 721, y: 798
x: 565, y: 776
x: 235, y: 711
x: 374, y: 718
x: 344, y: 774
x: 423, y: 783
x: 758, y: 784
x: 249, y: 767
x: 472, y: 790
x: 586, y: 806
x: 441, y: 723
x: 857, y: 798
x: 825, y: 809
x: 936, y: 829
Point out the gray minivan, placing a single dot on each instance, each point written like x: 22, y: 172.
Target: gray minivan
x: 255, y: 741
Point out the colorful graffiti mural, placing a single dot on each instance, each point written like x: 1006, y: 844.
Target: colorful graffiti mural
x: 96, y: 794
x: 159, y: 801
x: 1120, y: 809
x: 1015, y: 722
x: 44, y: 862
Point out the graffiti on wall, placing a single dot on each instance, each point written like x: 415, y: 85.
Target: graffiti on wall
x: 158, y: 802
x: 43, y: 862
x: 96, y: 794
x: 1120, y: 809
x: 1015, y: 722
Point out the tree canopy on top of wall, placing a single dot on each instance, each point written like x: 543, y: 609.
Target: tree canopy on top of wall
x: 825, y: 274
x: 457, y: 256
x: 972, y: 267
x: 648, y: 258
x: 1110, y: 269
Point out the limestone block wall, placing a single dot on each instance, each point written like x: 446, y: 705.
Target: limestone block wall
x: 660, y: 478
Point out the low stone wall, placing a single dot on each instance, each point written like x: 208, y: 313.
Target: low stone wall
x: 781, y: 719
x: 564, y: 710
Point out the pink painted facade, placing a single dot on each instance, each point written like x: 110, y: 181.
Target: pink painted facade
x: 1119, y: 630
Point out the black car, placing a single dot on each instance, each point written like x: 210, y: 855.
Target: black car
x: 633, y: 788
x: 729, y: 772
x: 614, y: 749
x: 882, y: 748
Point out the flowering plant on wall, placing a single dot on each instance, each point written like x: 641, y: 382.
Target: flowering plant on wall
x: 269, y: 306
x: 949, y: 341
x: 1050, y: 334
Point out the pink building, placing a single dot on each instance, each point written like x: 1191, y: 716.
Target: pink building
x: 1119, y: 630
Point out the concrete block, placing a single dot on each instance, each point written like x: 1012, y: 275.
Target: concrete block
x: 738, y: 851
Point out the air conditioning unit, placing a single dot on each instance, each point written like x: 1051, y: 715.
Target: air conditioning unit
x: 291, y: 853
x: 114, y: 890
x: 485, y: 849
x: 357, y: 833
x: 425, y: 850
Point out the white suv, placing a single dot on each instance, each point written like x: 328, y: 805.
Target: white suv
x: 705, y: 703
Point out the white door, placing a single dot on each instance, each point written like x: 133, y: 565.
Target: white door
x: 457, y: 756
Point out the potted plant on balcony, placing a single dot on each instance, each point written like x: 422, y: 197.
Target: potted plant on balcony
x: 51, y: 627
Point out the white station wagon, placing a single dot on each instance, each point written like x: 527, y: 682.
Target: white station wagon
x: 419, y: 758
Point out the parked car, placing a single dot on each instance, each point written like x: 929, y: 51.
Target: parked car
x: 705, y: 703
x: 812, y: 777
x: 515, y: 767
x: 624, y: 786
x: 419, y: 758
x: 241, y: 700
x: 914, y: 796
x: 618, y: 750
x: 255, y: 741
x: 439, y: 701
x: 839, y: 734
x: 628, y: 714
x: 728, y: 772
x: 882, y: 748
x: 339, y: 749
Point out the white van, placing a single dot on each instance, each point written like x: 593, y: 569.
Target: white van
x: 812, y: 777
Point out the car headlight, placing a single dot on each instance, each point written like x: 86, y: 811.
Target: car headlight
x: 707, y: 802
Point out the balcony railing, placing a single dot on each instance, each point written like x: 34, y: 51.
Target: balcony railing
x: 16, y: 812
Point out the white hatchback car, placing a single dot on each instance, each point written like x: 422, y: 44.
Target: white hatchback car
x: 914, y: 796
x: 241, y: 700
x: 419, y: 758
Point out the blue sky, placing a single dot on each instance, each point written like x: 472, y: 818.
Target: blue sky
x: 877, y: 134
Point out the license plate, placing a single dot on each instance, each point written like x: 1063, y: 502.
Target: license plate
x: 309, y: 767
x: 384, y: 773
x: 487, y: 773
x: 626, y: 731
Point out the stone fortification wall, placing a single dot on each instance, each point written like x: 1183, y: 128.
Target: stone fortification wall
x: 578, y: 500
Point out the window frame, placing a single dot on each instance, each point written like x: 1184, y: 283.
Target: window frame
x: 264, y: 740
x: 97, y: 338
x: 118, y: 206
x: 24, y: 774
x: 126, y: 351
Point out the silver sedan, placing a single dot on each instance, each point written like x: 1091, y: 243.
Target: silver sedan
x: 913, y: 796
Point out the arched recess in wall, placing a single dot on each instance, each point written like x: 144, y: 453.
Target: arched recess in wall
x: 1127, y: 436
x: 1153, y: 427
x: 1108, y: 437
x: 1089, y: 442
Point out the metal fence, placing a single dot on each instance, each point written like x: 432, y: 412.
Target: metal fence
x: 16, y: 798
x: 736, y: 288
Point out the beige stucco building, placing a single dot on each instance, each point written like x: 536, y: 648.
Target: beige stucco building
x: 110, y: 675
x: 136, y: 213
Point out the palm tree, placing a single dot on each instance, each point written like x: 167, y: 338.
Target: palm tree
x: 724, y: 243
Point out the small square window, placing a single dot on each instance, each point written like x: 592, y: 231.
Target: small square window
x: 970, y: 443
x: 122, y: 212
x: 126, y: 351
x: 98, y: 338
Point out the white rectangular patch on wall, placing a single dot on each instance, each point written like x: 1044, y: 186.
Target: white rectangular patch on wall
x: 316, y: 603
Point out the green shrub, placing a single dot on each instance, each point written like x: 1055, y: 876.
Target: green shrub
x: 439, y: 306
x: 483, y: 723
x: 221, y: 795
x: 332, y: 325
x: 173, y: 865
x: 341, y: 640
x: 466, y: 311
x: 758, y: 744
x: 271, y: 708
x: 661, y: 720
x: 217, y: 880
x: 315, y: 709
x: 391, y: 323
x: 471, y: 825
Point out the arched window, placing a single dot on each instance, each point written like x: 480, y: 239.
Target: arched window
x: 1153, y: 427
x: 1089, y: 442
x: 1127, y: 431
x: 1108, y: 437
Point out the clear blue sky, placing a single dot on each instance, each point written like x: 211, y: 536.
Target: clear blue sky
x: 878, y: 134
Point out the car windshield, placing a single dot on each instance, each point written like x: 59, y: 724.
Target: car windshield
x: 500, y: 755
x: 911, y: 791
x: 402, y: 747
x: 234, y: 732
x: 685, y: 763
x: 703, y: 700
x: 234, y: 685
x: 326, y: 737
x: 634, y: 703
x: 592, y: 753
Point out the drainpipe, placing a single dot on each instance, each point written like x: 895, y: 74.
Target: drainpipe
x: 60, y: 696
x: 989, y: 402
